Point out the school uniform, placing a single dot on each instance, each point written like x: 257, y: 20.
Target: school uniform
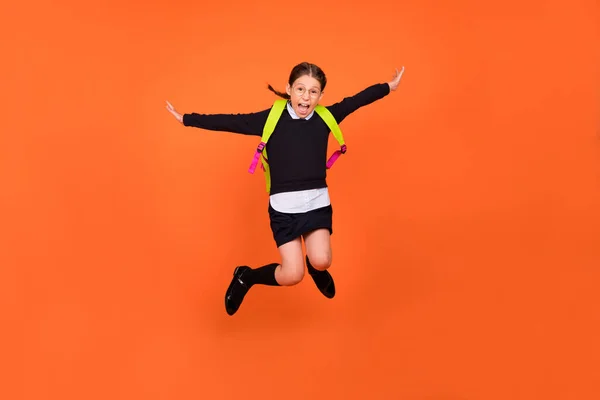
x: 297, y: 155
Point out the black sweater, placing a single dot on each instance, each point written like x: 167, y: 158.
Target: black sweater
x: 297, y: 149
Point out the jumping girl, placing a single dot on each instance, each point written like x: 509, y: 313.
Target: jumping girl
x: 299, y: 204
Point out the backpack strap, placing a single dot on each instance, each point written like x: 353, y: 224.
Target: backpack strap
x: 335, y: 130
x: 274, y: 114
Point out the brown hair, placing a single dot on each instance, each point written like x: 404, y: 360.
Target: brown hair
x: 299, y: 70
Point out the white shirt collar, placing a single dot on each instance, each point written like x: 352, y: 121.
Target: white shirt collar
x: 293, y: 113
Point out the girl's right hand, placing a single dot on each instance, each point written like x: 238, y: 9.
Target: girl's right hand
x: 172, y: 110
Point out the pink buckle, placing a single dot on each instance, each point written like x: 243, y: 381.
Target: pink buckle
x: 257, y: 154
x: 335, y: 156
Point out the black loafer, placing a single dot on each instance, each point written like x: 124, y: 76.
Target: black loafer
x: 324, y: 282
x: 236, y: 291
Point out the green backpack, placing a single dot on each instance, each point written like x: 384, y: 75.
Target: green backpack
x: 273, y: 118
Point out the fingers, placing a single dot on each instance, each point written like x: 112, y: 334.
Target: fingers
x: 172, y: 110
x: 396, y: 79
x: 399, y: 72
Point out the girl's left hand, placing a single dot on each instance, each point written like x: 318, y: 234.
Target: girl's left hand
x: 396, y: 80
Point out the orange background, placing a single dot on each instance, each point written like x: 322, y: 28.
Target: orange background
x: 467, y: 222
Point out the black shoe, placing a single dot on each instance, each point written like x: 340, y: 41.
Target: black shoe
x: 323, y: 280
x: 236, y: 291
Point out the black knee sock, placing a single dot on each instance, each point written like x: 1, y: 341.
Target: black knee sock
x: 264, y: 275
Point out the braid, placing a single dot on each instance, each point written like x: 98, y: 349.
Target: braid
x: 278, y: 93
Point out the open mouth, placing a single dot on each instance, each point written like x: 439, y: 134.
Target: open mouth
x: 303, y: 107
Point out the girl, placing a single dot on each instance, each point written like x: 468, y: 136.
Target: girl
x: 299, y: 205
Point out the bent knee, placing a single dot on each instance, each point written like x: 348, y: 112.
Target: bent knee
x: 320, y: 261
x: 291, y: 274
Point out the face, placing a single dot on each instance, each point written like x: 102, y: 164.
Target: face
x: 305, y: 93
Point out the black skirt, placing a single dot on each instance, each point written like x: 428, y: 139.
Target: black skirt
x: 287, y: 227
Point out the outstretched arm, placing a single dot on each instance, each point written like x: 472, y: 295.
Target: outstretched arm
x: 246, y: 124
x: 365, y: 97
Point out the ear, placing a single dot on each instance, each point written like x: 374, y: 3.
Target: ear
x: 287, y: 89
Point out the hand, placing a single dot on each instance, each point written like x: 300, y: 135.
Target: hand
x: 396, y: 80
x: 172, y: 110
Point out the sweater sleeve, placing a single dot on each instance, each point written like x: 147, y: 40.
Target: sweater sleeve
x: 348, y: 105
x: 245, y: 124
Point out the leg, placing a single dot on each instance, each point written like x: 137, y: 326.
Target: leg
x: 318, y: 260
x: 318, y: 248
x: 289, y: 272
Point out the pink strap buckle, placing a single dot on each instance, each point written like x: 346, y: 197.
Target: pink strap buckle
x: 335, y: 156
x: 259, y: 150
